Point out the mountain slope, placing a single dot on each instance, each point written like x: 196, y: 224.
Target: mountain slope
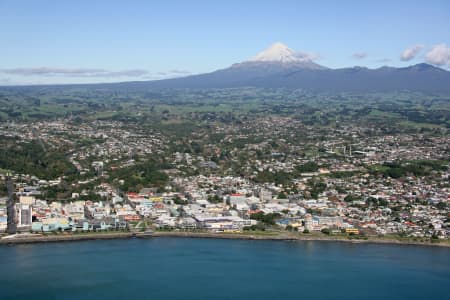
x: 420, y: 77
x: 279, y: 66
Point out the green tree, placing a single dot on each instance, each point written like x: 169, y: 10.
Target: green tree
x: 326, y: 231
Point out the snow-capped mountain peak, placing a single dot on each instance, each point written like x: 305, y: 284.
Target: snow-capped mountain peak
x: 279, y: 52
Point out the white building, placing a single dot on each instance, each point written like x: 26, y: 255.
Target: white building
x: 25, y: 213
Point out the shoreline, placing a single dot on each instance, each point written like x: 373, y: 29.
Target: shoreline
x: 65, y: 238
x: 235, y: 236
x: 295, y: 238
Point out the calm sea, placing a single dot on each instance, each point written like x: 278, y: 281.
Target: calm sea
x: 170, y: 268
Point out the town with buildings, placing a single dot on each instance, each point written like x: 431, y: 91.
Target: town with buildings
x: 270, y: 174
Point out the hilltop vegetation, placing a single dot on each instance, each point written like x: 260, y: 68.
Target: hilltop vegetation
x: 415, y: 168
x: 32, y: 158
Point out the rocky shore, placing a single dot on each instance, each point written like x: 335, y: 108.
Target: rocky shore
x: 178, y: 234
x: 64, y: 238
x: 294, y: 237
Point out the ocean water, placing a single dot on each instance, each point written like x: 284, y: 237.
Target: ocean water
x: 182, y: 268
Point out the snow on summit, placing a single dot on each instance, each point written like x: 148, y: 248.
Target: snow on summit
x: 279, y: 52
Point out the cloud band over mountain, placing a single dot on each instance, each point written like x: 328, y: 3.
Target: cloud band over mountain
x: 359, y: 55
x: 75, y: 72
x: 439, y: 55
x: 411, y: 52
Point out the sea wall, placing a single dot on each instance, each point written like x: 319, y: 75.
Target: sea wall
x: 178, y: 234
x: 65, y: 238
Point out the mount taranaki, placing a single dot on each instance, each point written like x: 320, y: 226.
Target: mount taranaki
x: 281, y: 67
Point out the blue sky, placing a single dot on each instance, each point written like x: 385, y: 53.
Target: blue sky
x: 100, y: 41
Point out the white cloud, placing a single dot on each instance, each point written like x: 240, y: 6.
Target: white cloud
x: 439, y: 55
x: 179, y: 71
x: 359, y: 55
x: 411, y: 52
x: 51, y: 75
x: 77, y: 72
x: 173, y: 73
x: 307, y: 56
